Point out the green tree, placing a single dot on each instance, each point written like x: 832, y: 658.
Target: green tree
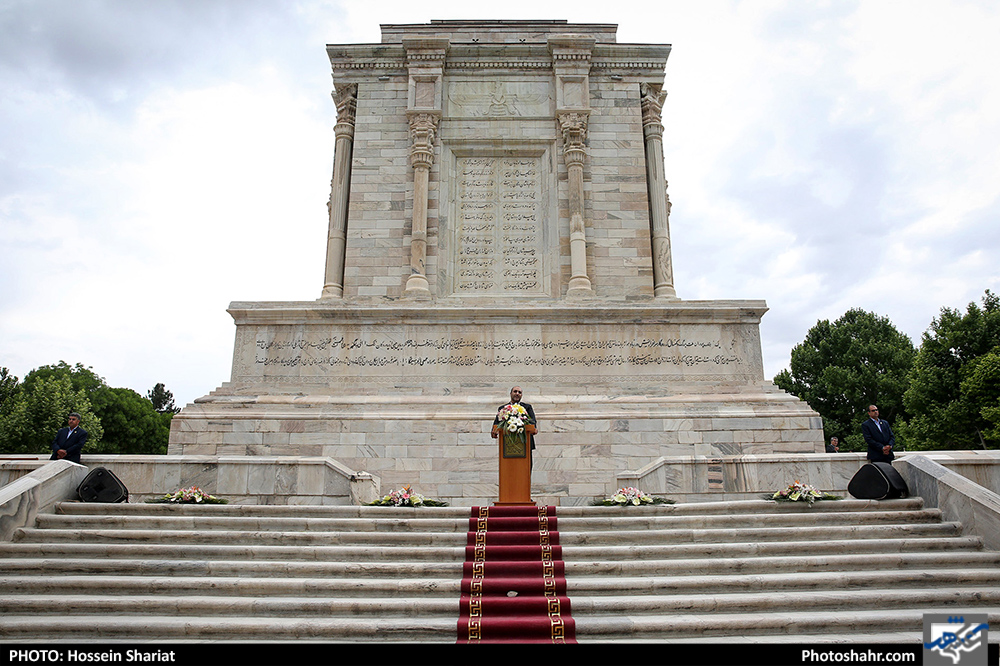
x: 131, y: 424
x: 37, y: 412
x: 162, y: 399
x: 842, y: 367
x: 83, y: 378
x: 9, y: 386
x: 981, y: 387
x: 951, y: 383
x: 118, y: 420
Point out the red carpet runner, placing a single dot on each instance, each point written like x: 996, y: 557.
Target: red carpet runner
x: 513, y: 583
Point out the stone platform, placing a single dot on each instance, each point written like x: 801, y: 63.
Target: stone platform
x: 408, y: 392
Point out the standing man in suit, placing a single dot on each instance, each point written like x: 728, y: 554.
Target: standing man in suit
x: 878, y: 436
x: 69, y: 440
x: 515, y: 399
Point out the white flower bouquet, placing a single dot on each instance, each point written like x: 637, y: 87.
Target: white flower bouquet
x: 192, y: 495
x: 800, y: 492
x: 406, y: 497
x: 631, y: 497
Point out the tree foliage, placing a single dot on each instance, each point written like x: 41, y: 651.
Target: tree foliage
x: 118, y: 420
x: 9, y: 386
x: 34, y: 415
x: 954, y: 380
x: 842, y: 367
x: 981, y: 387
x: 162, y: 399
x: 131, y: 424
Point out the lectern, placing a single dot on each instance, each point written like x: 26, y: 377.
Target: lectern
x: 514, y: 455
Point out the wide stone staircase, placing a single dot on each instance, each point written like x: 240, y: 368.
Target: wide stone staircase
x: 752, y: 570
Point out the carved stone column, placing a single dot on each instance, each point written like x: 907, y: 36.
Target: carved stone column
x: 571, y: 65
x: 346, y: 98
x: 573, y: 126
x: 656, y: 183
x: 423, y: 129
x: 425, y: 62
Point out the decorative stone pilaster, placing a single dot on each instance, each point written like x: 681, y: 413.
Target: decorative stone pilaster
x: 573, y: 126
x: 345, y: 96
x: 571, y: 64
x: 656, y: 183
x: 423, y: 129
x: 425, y: 62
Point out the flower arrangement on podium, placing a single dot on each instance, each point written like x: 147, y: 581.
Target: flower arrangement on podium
x: 512, y: 419
x: 800, y: 492
x: 192, y: 495
x: 406, y: 497
x: 631, y: 497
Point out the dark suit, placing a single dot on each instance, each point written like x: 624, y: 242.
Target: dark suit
x: 71, y: 443
x: 876, y: 439
x: 531, y: 415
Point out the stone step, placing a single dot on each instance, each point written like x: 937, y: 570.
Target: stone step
x: 399, y: 524
x: 424, y: 629
x: 249, y: 524
x: 350, y: 587
x: 836, y: 580
x: 970, y: 600
x: 404, y: 567
x: 586, y: 586
x: 66, y: 549
x: 444, y: 539
x: 228, y: 606
x: 400, y: 569
x: 763, y: 565
x: 406, y: 628
x: 62, y: 550
x: 767, y: 549
x: 843, y: 623
x: 752, y: 507
x: 760, y: 534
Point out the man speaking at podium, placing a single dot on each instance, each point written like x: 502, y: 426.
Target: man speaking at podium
x: 515, y: 399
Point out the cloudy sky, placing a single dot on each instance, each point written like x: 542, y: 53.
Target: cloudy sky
x: 161, y: 158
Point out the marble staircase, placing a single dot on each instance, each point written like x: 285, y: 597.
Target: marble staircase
x: 717, y: 571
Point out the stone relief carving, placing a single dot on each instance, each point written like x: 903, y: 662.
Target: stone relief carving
x: 499, y: 99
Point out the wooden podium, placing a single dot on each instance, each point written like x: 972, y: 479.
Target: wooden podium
x: 515, y: 467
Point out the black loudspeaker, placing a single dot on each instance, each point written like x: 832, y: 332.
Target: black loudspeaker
x: 101, y: 485
x: 877, y: 481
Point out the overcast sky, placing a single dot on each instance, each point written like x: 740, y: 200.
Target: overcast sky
x: 160, y: 159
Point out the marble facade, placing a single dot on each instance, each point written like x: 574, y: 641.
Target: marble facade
x: 498, y: 216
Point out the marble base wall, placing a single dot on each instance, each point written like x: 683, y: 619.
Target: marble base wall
x: 408, y: 392
x: 35, y: 489
x: 959, y: 498
x: 241, y: 479
x: 582, y: 445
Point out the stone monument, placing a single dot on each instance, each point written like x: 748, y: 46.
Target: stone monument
x: 498, y: 216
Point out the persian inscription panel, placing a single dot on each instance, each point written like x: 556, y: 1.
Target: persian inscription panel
x: 499, y: 241
x: 640, y: 355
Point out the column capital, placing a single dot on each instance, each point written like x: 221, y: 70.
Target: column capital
x: 652, y: 98
x: 423, y: 130
x: 573, y: 126
x: 345, y: 96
